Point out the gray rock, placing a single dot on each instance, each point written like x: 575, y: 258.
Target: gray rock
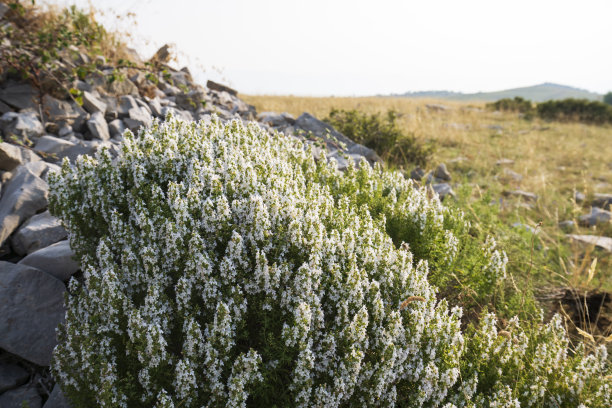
x: 579, y: 197
x: 600, y: 242
x: 170, y: 90
x: 21, y: 125
x: 525, y: 195
x: 191, y: 100
x: 220, y: 88
x: 57, y: 399
x: 272, y: 119
x: 568, y: 225
x: 597, y: 216
x: 417, y: 174
x: 138, y: 117
x: 602, y: 200
x: 56, y: 260
x: 25, y: 396
x: 3, y: 9
x: 437, y: 107
x: 12, y: 376
x: 116, y: 128
x: 322, y: 131
x: 65, y: 130
x: 504, y: 162
x: 123, y: 87
x: 24, y: 195
x: 38, y: 232
x: 442, y: 173
x: 511, y: 175
x: 53, y: 145
x: 92, y: 103
x: 156, y: 107
x: 524, y: 227
x: 443, y: 190
x: 177, y: 113
x: 98, y: 127
x: 10, y: 156
x: 142, y: 104
x: 112, y: 108
x: 3, y: 106
x: 363, y: 151
x: 31, y: 308
x: 126, y: 102
x: 64, y: 113
x: 22, y: 96
x: 288, y: 117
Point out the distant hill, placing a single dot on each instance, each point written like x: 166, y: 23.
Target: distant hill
x: 536, y: 93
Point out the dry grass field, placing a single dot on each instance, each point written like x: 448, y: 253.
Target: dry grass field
x: 554, y: 160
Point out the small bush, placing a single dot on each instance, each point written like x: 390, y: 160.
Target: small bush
x: 581, y: 110
x: 608, y: 98
x: 382, y: 134
x: 517, y: 104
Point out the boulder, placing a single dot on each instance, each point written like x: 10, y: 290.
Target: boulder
x: 156, y: 107
x: 122, y: 87
x: 23, y: 196
x: 10, y: 156
x: 57, y: 399
x: 442, y: 173
x: 57, y: 260
x: 138, y: 117
x: 98, y: 127
x: 443, y: 190
x: 53, y: 145
x: 21, y: 96
x: 600, y: 242
x: 116, y: 128
x: 26, y: 396
x: 64, y: 113
x: 220, y: 88
x: 12, y: 376
x: 417, y: 174
x: 322, y: 131
x: 363, y: 151
x: 595, y: 217
x: 191, y: 100
x: 125, y: 103
x: 38, y: 232
x: 602, y: 200
x: 525, y: 195
x: 21, y: 125
x: 31, y: 307
x: 579, y: 197
x: 92, y: 103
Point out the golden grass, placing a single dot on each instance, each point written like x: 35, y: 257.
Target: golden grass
x: 555, y: 159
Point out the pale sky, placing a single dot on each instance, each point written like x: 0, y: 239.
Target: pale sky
x: 355, y: 47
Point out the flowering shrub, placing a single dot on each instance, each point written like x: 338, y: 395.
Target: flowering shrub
x: 530, y: 367
x: 223, y: 266
x: 218, y: 271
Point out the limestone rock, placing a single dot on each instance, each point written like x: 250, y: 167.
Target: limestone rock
x: 595, y: 217
x: 138, y: 117
x: 38, y: 232
x: 601, y: 242
x: 11, y: 376
x: 53, y: 145
x: 24, y: 195
x: 64, y: 113
x: 21, y: 125
x: 92, y: 103
x: 322, y: 131
x: 98, y: 127
x: 31, y: 307
x: 21, y: 96
x: 443, y: 190
x: 442, y: 173
x: 25, y: 396
x: 602, y: 200
x: 56, y: 260
x: 57, y: 399
x: 220, y: 88
x: 116, y: 128
x: 10, y: 156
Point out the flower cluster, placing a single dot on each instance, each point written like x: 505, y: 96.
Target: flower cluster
x: 222, y: 268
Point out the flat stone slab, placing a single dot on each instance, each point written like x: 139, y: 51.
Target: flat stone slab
x: 601, y: 242
x: 38, y: 232
x: 31, y: 307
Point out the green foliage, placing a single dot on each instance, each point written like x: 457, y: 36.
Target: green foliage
x: 517, y: 104
x: 382, y: 134
x: 608, y: 98
x: 581, y: 110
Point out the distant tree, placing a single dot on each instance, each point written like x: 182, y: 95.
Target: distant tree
x: 608, y: 98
